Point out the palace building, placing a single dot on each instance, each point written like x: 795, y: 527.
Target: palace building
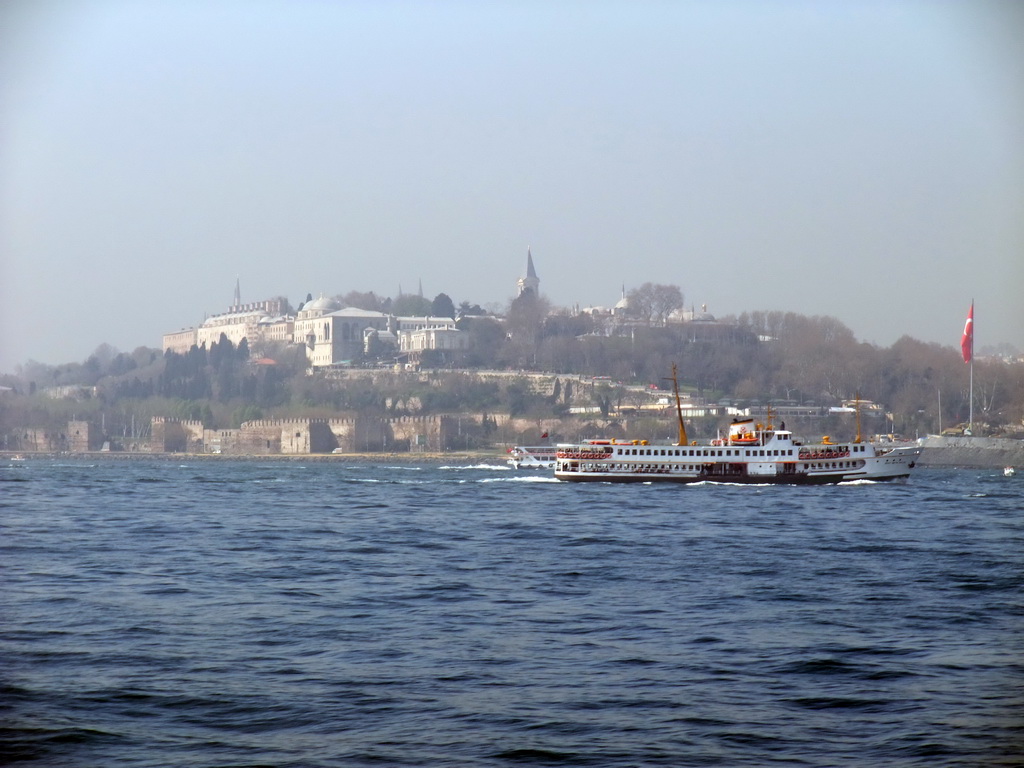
x: 331, y: 334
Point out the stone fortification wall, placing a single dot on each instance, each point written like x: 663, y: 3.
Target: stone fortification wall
x: 360, y: 434
x: 40, y: 440
x: 972, y: 452
x: 350, y: 435
x: 259, y: 439
x: 287, y: 436
x: 177, y: 436
x: 417, y: 433
x: 215, y: 440
x: 83, y: 437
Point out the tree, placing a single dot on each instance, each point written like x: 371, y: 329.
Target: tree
x: 652, y: 301
x: 369, y: 301
x: 523, y: 323
x: 442, y: 306
x: 408, y: 305
x: 486, y: 339
x: 665, y: 299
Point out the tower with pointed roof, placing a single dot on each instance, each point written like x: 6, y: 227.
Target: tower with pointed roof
x: 531, y: 282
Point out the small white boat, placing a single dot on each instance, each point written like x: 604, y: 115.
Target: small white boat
x: 532, y: 456
x: 1009, y: 471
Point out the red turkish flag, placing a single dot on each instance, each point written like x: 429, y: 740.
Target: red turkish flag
x: 967, y: 340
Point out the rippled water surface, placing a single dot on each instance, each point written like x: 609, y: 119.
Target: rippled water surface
x: 217, y: 613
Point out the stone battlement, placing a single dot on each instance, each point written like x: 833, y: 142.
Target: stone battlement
x: 298, y: 436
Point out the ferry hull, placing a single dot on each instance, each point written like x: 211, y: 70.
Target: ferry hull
x: 777, y: 460
x: 595, y: 477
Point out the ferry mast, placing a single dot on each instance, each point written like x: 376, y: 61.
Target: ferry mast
x: 679, y: 407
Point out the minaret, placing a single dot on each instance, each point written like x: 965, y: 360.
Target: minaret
x: 238, y: 295
x: 531, y: 282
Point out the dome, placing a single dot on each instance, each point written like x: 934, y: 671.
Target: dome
x: 321, y: 306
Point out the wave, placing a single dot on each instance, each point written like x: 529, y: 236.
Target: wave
x: 487, y: 467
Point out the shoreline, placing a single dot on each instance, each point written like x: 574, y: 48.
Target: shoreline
x: 965, y: 453
x: 366, y: 458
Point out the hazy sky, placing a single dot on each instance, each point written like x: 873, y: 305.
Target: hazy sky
x: 863, y: 160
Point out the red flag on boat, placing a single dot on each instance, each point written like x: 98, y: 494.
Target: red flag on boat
x: 967, y: 341
x: 544, y: 435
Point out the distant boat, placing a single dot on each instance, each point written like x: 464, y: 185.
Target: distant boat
x: 1009, y: 471
x: 532, y: 456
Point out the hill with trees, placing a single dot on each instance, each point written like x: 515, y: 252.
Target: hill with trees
x: 585, y: 363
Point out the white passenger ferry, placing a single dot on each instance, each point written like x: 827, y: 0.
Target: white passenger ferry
x: 752, y: 453
x: 532, y: 456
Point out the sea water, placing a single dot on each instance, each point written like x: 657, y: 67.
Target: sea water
x: 282, y: 613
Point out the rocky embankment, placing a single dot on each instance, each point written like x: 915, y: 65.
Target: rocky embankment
x: 972, y: 452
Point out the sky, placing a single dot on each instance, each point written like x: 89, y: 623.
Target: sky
x: 862, y: 160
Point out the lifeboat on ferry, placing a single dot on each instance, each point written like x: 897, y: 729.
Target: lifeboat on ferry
x: 742, y: 432
x: 745, y: 438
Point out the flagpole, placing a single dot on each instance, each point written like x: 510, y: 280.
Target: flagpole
x: 967, y: 348
x: 970, y: 417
